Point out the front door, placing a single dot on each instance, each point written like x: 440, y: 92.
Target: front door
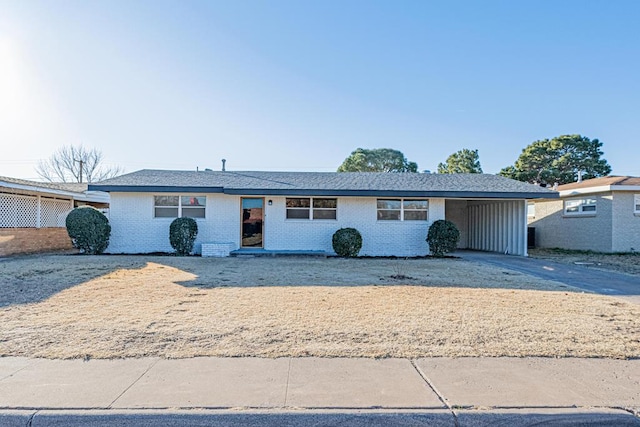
x: 252, y: 222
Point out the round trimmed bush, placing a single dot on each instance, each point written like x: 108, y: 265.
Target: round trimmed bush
x: 443, y: 237
x: 182, y: 235
x: 347, y: 242
x: 88, y: 229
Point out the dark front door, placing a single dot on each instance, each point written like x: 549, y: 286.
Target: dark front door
x: 252, y: 222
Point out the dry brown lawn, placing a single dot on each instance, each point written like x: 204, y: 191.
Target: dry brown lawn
x: 120, y: 306
x: 628, y: 263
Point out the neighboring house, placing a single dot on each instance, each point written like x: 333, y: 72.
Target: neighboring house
x: 33, y: 214
x: 300, y: 211
x: 600, y: 214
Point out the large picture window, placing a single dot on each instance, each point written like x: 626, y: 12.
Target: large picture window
x: 179, y: 206
x: 314, y: 208
x: 580, y: 206
x: 402, y: 209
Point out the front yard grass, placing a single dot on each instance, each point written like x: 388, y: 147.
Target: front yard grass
x: 128, y: 306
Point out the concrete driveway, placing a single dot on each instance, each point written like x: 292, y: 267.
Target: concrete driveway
x: 591, y: 280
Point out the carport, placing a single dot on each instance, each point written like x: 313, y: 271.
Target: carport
x: 490, y: 225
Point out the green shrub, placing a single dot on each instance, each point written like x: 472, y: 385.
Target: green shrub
x: 443, y: 237
x: 89, y: 230
x: 347, y: 242
x: 182, y: 235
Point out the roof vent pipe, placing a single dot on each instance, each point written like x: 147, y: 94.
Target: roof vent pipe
x: 223, y: 162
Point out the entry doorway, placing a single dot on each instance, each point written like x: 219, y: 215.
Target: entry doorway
x: 252, y: 210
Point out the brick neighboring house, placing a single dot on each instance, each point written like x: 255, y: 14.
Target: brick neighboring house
x: 300, y: 211
x: 600, y: 214
x: 33, y: 214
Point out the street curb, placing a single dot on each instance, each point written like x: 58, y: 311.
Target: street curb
x: 346, y: 418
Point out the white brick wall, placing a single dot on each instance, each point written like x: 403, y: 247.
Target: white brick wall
x: 379, y: 238
x: 217, y: 249
x: 134, y: 230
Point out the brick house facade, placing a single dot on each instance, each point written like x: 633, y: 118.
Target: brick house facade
x: 600, y: 214
x: 296, y: 211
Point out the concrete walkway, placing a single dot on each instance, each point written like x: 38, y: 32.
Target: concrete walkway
x: 312, y: 391
x: 589, y: 279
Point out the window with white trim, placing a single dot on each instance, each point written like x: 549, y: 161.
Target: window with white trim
x: 179, y: 206
x: 636, y: 203
x: 580, y: 206
x: 313, y: 208
x: 402, y: 209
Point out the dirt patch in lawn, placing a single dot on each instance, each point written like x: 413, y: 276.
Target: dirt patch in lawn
x: 111, y: 306
x: 628, y: 263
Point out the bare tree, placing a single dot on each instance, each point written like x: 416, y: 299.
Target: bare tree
x: 76, y: 164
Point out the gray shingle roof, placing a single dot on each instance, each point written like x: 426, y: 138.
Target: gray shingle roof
x: 324, y: 183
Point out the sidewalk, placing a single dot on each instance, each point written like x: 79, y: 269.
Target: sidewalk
x: 313, y: 391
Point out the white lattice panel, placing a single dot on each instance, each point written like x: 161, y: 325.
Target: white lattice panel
x: 54, y: 212
x: 18, y: 211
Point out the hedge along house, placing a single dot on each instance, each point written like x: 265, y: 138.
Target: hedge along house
x: 33, y: 214
x: 300, y: 211
x: 600, y: 214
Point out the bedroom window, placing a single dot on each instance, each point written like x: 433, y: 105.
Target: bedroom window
x: 636, y: 203
x: 402, y: 209
x: 580, y: 206
x: 314, y: 208
x: 179, y: 206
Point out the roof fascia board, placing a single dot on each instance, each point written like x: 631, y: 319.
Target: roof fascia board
x: 94, y: 196
x: 320, y: 192
x: 390, y: 193
x: 153, y: 189
x: 37, y: 189
x: 585, y: 190
x: 625, y: 188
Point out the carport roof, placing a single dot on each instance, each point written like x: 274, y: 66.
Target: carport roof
x: 67, y: 189
x: 371, y: 184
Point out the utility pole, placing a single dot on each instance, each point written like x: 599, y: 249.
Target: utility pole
x: 81, y: 166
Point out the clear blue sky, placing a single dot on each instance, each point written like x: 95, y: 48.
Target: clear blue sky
x: 298, y: 85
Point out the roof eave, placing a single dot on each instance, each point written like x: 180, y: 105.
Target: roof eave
x: 36, y: 189
x: 391, y: 193
x: 153, y: 189
x: 322, y: 192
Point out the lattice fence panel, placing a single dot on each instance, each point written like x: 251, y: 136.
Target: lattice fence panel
x: 18, y: 211
x: 54, y: 212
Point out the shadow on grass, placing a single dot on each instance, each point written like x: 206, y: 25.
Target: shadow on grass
x: 31, y: 279
x: 311, y: 271
x: 34, y: 278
